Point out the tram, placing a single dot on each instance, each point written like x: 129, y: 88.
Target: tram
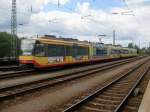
x: 49, y: 51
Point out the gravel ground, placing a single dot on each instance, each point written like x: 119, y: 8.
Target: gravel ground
x: 57, y: 96
x: 22, y: 80
x: 30, y: 78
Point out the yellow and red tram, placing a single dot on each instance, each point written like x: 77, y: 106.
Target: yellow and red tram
x: 49, y: 52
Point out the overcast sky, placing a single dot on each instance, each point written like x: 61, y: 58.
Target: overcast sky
x: 82, y: 19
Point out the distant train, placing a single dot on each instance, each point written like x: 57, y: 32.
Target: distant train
x: 48, y: 51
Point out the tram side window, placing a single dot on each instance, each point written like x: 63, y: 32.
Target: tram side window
x: 82, y: 51
x: 79, y: 51
x: 52, y: 51
x: 126, y: 52
x: 86, y: 51
x: 60, y: 51
x: 55, y: 50
x: 105, y: 52
x: 68, y: 50
x: 121, y: 51
x: 39, y: 49
x: 76, y: 51
x: 101, y: 52
x: 115, y: 52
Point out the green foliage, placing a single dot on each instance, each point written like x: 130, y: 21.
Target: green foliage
x: 143, y: 51
x: 6, y: 45
x: 130, y: 45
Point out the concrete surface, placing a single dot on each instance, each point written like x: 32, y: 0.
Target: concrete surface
x: 145, y: 104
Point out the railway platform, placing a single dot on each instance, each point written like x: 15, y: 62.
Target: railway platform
x: 145, y: 104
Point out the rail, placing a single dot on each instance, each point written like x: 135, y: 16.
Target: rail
x: 77, y: 106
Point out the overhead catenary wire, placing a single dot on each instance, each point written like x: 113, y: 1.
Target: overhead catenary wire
x: 138, y: 20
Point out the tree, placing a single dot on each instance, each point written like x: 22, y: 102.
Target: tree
x: 5, y: 44
x: 131, y: 45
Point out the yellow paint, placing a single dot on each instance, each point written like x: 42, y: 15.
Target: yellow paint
x: 26, y: 57
x: 41, y: 60
x: 85, y: 58
x: 68, y: 58
x: 91, y: 51
x: 61, y: 42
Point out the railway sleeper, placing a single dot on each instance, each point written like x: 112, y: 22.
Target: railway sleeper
x: 125, y: 81
x: 118, y: 92
x: 123, y: 85
x: 124, y: 88
x: 119, y: 89
x: 90, y: 109
x: 110, y: 97
x: 106, y: 100
x: 113, y: 94
x: 101, y: 106
x: 102, y: 101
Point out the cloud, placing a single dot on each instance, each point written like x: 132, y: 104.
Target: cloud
x: 25, y: 9
x: 134, y: 2
x: 85, y: 23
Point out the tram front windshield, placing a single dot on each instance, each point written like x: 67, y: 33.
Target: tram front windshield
x: 27, y: 46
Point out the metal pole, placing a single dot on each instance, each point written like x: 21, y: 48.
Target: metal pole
x: 14, y: 28
x: 149, y: 48
x: 114, y: 37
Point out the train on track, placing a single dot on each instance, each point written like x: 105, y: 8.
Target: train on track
x: 50, y: 51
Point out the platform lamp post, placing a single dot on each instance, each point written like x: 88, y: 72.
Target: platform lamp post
x: 114, y: 31
x: 130, y: 12
x: 114, y: 37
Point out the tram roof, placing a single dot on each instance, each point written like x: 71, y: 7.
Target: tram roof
x: 60, y: 41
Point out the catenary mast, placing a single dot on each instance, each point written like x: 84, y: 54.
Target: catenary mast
x: 14, y: 29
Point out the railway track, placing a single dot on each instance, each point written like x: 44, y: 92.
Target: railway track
x: 15, y: 90
x: 10, y: 71
x: 14, y: 72
x: 9, y: 68
x: 23, y: 72
x: 8, y: 61
x: 112, y: 96
x: 134, y: 101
